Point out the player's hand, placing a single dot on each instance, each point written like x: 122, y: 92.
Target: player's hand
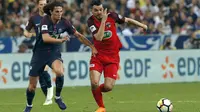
x: 31, y: 35
x: 64, y: 39
x: 94, y: 51
x: 145, y: 27
x: 105, y: 15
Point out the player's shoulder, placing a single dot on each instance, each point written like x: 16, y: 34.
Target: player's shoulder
x: 46, y: 18
x: 64, y: 20
x: 34, y: 15
x: 112, y: 14
x: 90, y: 20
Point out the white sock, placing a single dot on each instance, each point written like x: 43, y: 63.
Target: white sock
x: 29, y: 105
x: 57, y: 97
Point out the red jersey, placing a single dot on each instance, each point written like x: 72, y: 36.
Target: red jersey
x: 110, y: 45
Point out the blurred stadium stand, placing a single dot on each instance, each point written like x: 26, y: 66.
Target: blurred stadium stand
x: 178, y: 18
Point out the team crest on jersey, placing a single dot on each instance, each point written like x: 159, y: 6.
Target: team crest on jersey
x: 107, y: 34
x: 108, y: 25
x: 59, y: 30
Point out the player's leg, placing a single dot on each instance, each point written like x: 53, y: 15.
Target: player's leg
x: 58, y: 68
x: 43, y: 84
x: 110, y: 74
x: 30, y: 93
x: 95, y: 73
x: 96, y: 91
x: 35, y: 69
x: 45, y: 78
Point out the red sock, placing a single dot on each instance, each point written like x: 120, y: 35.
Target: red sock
x: 102, y: 88
x: 98, y: 97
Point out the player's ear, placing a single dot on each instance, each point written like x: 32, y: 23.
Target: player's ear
x: 50, y: 12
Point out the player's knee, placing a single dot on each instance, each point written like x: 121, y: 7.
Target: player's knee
x: 94, y: 84
x: 108, y: 87
x: 58, y: 72
x: 32, y: 87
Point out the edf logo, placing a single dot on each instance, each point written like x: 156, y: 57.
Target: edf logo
x: 136, y: 67
x: 188, y: 66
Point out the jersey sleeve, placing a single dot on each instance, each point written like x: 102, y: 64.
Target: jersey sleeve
x: 92, y: 27
x: 29, y: 24
x: 44, y: 25
x: 70, y: 28
x: 117, y: 17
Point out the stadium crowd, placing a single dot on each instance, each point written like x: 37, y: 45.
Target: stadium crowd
x: 161, y: 16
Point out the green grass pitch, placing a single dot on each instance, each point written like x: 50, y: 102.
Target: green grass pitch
x: 124, y: 98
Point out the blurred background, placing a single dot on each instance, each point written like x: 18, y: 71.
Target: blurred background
x: 168, y: 53
x: 176, y: 21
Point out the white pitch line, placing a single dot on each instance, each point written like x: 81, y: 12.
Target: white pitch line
x: 119, y: 102
x: 185, y: 101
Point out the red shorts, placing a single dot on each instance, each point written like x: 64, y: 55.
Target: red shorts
x: 109, y: 65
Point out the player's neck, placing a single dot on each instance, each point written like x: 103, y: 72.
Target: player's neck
x: 54, y: 20
x: 97, y: 19
x: 41, y: 13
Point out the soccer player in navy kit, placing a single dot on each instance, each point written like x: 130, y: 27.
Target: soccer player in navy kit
x: 44, y: 79
x: 47, y: 50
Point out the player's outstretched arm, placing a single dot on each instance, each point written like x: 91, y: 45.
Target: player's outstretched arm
x: 28, y: 34
x: 134, y: 22
x: 85, y: 41
x: 48, y: 39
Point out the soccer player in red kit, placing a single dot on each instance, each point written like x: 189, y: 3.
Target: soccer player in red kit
x: 103, y: 28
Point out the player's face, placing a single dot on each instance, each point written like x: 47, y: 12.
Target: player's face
x: 57, y: 13
x: 97, y: 11
x: 41, y: 4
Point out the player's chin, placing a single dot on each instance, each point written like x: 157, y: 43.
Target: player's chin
x: 58, y: 18
x: 99, y: 17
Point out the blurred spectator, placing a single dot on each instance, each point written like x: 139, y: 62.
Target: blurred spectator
x: 167, y: 28
x: 2, y: 10
x: 23, y: 48
x: 161, y: 16
x: 3, y: 31
x: 193, y: 42
x: 172, y: 14
x: 167, y: 45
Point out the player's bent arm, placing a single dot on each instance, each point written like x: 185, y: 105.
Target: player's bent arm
x: 83, y: 39
x: 28, y: 34
x: 48, y: 39
x: 99, y: 35
x: 132, y: 21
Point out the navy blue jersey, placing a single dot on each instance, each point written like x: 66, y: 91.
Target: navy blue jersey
x: 34, y: 22
x: 54, y: 30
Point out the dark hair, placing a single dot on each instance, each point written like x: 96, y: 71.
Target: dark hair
x: 39, y: 1
x: 95, y: 2
x: 50, y: 7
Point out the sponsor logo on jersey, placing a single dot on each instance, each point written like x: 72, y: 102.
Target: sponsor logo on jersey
x: 92, y: 65
x: 92, y: 28
x: 44, y: 27
x: 107, y: 34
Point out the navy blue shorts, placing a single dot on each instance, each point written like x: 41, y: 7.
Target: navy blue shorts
x: 42, y: 58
